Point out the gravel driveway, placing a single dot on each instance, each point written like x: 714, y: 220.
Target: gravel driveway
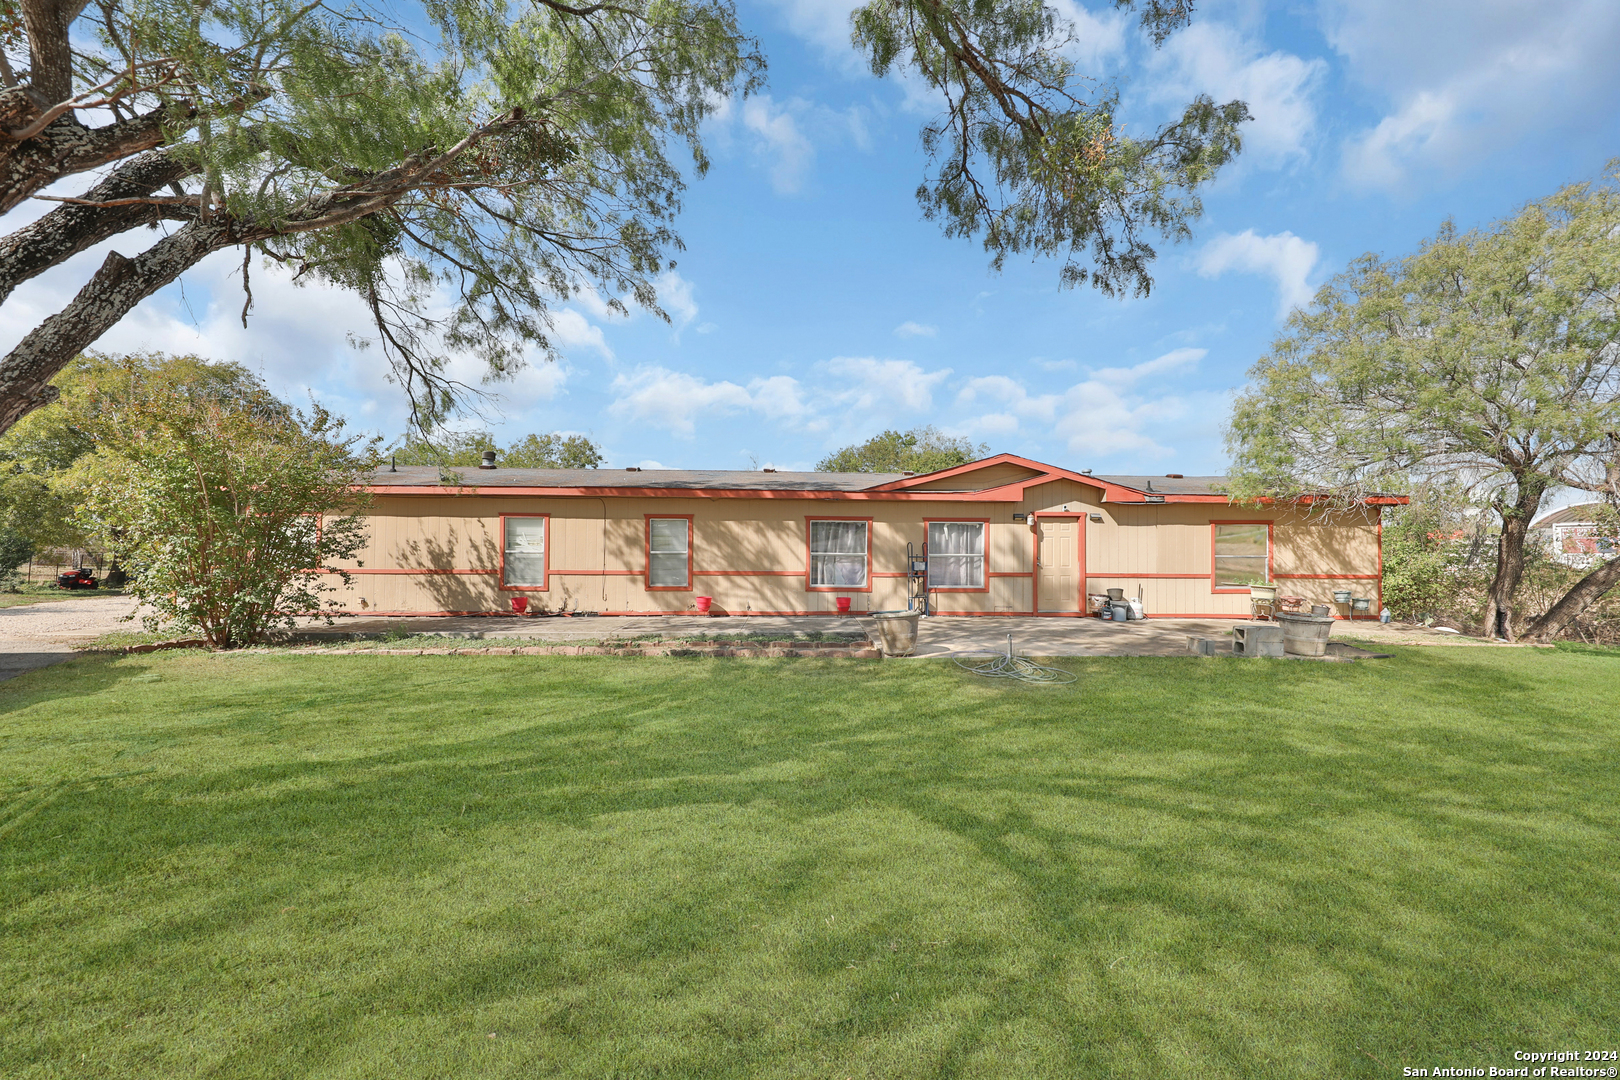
x: 39, y: 635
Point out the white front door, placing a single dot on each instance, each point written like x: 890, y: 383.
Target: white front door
x: 1057, y: 578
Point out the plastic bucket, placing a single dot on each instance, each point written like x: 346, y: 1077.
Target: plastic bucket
x: 1341, y: 596
x: 1361, y: 603
x: 897, y: 631
x: 1116, y: 594
x: 843, y: 605
x: 703, y: 603
x: 520, y: 604
x: 1122, y: 610
x: 1305, y: 635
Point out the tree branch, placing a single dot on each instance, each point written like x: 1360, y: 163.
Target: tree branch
x: 84, y: 223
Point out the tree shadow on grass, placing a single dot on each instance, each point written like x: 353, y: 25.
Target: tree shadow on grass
x: 951, y: 881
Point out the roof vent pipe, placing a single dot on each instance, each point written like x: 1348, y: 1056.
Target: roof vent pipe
x: 489, y: 460
x: 1150, y: 485
x: 393, y: 463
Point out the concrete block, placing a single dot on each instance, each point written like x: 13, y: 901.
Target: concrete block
x: 1257, y: 639
x: 1204, y: 646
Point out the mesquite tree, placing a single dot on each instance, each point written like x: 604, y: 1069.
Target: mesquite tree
x: 1489, y: 361
x: 461, y: 164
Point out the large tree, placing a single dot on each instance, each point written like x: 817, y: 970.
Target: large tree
x: 457, y: 449
x: 1488, y: 361
x: 920, y: 450
x: 505, y: 155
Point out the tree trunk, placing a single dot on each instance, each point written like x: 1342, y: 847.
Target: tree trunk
x: 1588, y: 591
x: 117, y: 287
x: 1510, y: 557
x: 50, y: 53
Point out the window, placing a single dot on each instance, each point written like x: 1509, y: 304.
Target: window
x: 669, y: 553
x: 1242, y: 553
x: 838, y: 554
x: 956, y: 554
x: 524, y: 561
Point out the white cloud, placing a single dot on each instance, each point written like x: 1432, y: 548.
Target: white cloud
x: 1093, y: 38
x: 1113, y: 412
x: 676, y: 401
x: 1279, y: 88
x: 779, y: 140
x: 884, y: 387
x: 912, y: 329
x: 824, y: 24
x: 1054, y: 365
x: 1284, y: 257
x: 1465, y: 78
x: 571, y: 331
x: 1174, y: 360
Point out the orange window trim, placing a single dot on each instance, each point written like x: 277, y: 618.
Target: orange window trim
x: 646, y: 581
x: 1214, y: 585
x: 838, y: 588
x: 545, y: 576
x: 984, y: 552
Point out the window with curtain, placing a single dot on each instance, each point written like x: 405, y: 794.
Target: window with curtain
x: 525, y: 544
x: 669, y: 544
x: 956, y: 554
x: 838, y: 554
x: 1242, y: 554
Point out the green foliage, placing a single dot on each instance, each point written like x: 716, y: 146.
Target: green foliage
x: 39, y: 489
x: 1488, y: 359
x: 920, y: 450
x: 230, y: 520
x: 465, y: 449
x: 1424, y: 545
x: 1029, y: 152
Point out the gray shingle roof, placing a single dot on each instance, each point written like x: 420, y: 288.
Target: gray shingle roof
x: 1163, y: 485
x: 740, y: 480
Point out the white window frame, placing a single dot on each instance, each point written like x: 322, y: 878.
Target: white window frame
x: 508, y: 551
x: 831, y: 558
x: 685, y: 552
x: 971, y: 558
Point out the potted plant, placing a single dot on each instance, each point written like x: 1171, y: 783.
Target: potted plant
x: 1259, y: 588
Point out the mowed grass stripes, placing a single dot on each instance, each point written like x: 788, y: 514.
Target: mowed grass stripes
x: 283, y: 866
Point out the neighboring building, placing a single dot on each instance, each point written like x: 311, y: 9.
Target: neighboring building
x: 1574, y: 537
x: 1003, y: 536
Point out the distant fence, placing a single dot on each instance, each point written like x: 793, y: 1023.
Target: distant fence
x: 44, y: 567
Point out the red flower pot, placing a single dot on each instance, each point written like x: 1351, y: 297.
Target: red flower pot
x: 843, y: 605
x: 520, y: 604
x: 703, y: 603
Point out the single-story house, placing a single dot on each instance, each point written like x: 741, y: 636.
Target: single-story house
x: 1575, y: 537
x: 1001, y: 536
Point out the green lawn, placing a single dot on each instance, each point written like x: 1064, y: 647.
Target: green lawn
x: 49, y: 594
x: 284, y: 866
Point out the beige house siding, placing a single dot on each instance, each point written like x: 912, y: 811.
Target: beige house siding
x: 432, y: 553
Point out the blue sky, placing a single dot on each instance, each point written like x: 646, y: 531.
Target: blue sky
x: 814, y: 307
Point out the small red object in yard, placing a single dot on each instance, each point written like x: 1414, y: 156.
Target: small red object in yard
x: 843, y: 605
x: 703, y: 603
x: 520, y: 604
